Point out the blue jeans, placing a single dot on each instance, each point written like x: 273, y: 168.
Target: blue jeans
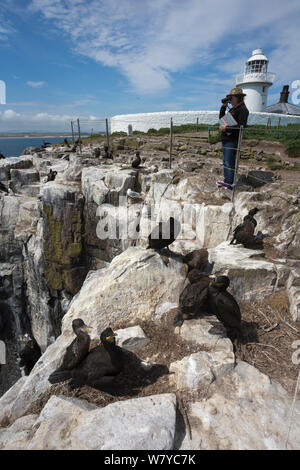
x: 229, y: 153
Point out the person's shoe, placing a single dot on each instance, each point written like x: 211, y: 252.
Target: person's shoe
x: 227, y: 186
x: 220, y: 184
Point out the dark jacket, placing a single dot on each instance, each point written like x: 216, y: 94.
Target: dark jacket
x: 240, y: 114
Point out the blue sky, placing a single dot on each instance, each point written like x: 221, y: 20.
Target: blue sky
x: 63, y: 59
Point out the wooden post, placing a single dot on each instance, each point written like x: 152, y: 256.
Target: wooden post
x: 171, y: 143
x: 208, y: 135
x: 79, y: 136
x: 237, y: 161
x: 197, y: 124
x: 72, y: 128
x: 107, y: 134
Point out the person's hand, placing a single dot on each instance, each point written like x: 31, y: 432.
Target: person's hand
x: 223, y: 127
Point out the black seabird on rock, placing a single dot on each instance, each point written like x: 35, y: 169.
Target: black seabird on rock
x: 251, y: 215
x: 97, y: 152
x: 78, y: 349
x: 107, y: 153
x: 99, y: 368
x: 136, y: 161
x: 224, y: 306
x: 29, y: 353
x: 51, y: 175
x: 244, y: 232
x: 194, y: 297
x: 3, y: 188
x: 2, y: 156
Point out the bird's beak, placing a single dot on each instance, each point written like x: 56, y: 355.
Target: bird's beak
x: 110, y: 338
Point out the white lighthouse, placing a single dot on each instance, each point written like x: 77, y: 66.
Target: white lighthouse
x: 255, y: 81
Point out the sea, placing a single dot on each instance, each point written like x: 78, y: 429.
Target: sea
x: 14, y: 146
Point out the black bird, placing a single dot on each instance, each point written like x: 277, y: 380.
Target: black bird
x: 29, y: 354
x: 137, y: 160
x: 164, y: 234
x: 3, y: 188
x: 79, y: 347
x: 193, y: 298
x: 97, y: 152
x: 251, y: 215
x: 244, y: 232
x: 1, y: 156
x: 51, y: 175
x: 107, y: 154
x: 66, y: 142
x: 100, y: 366
x: 224, y: 306
x: 197, y: 259
x: 45, y: 144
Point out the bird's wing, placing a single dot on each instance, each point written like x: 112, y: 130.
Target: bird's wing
x: 228, y: 309
x: 238, y: 229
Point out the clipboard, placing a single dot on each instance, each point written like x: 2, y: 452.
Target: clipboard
x: 228, y: 120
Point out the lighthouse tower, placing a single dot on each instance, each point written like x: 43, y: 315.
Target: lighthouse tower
x: 255, y: 81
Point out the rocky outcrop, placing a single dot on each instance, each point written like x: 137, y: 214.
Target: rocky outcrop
x: 56, y: 264
x: 71, y: 424
x: 108, y: 295
x: 244, y: 410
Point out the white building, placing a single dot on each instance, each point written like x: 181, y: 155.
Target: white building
x: 255, y: 81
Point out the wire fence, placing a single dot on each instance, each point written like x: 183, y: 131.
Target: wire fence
x: 169, y: 128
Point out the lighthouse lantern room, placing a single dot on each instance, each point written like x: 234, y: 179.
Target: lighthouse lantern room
x: 255, y: 81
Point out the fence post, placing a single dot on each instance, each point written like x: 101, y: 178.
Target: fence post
x: 171, y: 143
x: 72, y: 128
x: 209, y: 135
x: 107, y: 134
x: 79, y: 135
x: 237, y: 161
x: 197, y: 124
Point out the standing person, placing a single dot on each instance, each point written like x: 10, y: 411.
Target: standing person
x: 230, y: 134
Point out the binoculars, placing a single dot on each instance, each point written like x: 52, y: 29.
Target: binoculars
x: 227, y: 99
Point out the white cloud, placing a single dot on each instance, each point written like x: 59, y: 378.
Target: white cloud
x: 11, y: 121
x: 35, y: 84
x: 8, y: 115
x: 149, y: 40
x: 6, y: 29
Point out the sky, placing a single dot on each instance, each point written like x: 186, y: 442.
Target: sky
x: 64, y: 59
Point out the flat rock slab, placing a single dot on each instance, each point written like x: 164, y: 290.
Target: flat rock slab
x: 201, y: 368
x: 19, y: 434
x: 245, y: 411
x: 138, y: 424
x: 131, y: 338
x: 250, y: 279
x: 207, y: 332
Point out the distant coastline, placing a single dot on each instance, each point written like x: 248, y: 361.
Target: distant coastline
x: 39, y: 136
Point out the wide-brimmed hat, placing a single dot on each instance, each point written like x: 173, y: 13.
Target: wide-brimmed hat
x: 237, y: 91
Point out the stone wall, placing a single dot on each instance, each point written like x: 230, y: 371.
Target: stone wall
x: 145, y: 121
